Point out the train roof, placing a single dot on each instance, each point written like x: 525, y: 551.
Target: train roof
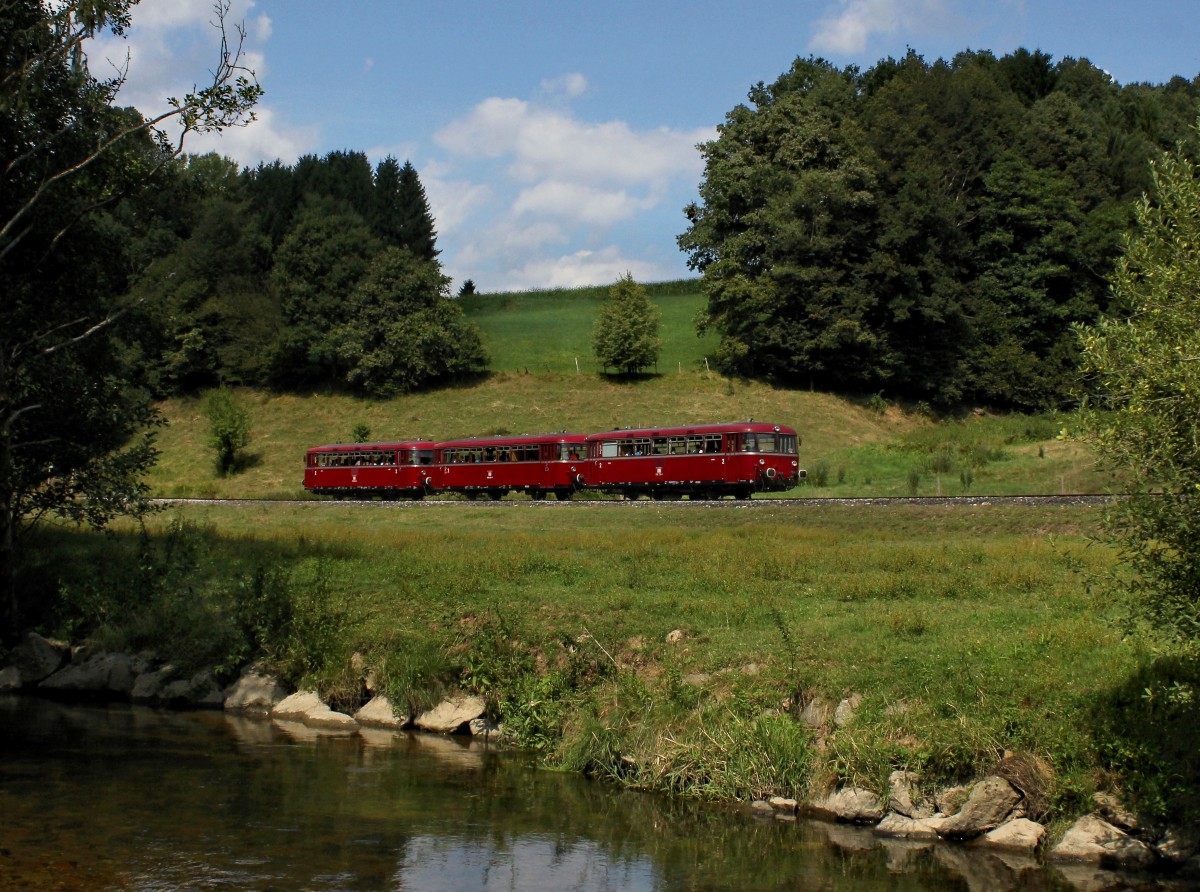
x: 373, y: 447
x: 732, y: 427
x: 512, y: 440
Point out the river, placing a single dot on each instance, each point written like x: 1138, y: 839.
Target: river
x: 121, y: 798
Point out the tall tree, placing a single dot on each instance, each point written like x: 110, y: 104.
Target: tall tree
x: 625, y: 336
x: 1142, y: 366
x: 67, y: 410
x: 316, y: 268
x: 410, y: 220
x: 403, y: 332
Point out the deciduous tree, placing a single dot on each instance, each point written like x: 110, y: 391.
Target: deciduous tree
x: 67, y: 407
x: 1143, y: 371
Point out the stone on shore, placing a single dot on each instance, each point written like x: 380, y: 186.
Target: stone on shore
x: 102, y: 674
x: 904, y: 827
x: 37, y: 658
x: 1094, y: 839
x: 379, y: 713
x: 255, y: 693
x: 451, y: 716
x: 1022, y: 834
x: 849, y: 804
x: 306, y: 708
x: 990, y: 803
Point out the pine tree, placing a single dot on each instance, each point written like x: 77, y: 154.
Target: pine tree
x: 626, y: 332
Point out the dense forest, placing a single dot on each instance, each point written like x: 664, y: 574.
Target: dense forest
x: 319, y: 273
x: 928, y: 231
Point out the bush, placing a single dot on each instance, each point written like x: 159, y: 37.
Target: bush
x: 228, y: 428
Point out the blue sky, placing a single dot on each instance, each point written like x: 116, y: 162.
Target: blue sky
x: 556, y: 140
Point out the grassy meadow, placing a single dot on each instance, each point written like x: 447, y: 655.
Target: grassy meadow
x: 968, y: 631
x: 671, y: 647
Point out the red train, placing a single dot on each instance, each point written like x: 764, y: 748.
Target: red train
x: 706, y: 461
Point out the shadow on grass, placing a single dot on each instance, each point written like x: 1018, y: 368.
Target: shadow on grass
x: 1145, y: 732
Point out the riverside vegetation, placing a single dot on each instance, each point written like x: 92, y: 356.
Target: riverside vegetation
x: 969, y: 631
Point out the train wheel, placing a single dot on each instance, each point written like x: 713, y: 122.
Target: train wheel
x: 743, y: 493
x: 471, y: 496
x: 495, y: 494
x: 562, y: 495
x: 537, y: 494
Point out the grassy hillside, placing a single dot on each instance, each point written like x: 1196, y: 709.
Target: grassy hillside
x: 547, y: 331
x: 848, y: 448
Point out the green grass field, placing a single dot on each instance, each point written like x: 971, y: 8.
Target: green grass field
x: 551, y: 331
x: 968, y: 631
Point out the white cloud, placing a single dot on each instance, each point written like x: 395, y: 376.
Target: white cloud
x: 452, y: 202
x: 576, y: 270
x: 266, y: 139
x: 570, y: 85
x: 543, y: 143
x: 580, y: 202
x: 859, y: 20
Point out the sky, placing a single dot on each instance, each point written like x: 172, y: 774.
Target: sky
x: 556, y: 140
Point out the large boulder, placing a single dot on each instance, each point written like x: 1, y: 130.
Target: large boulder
x: 903, y: 827
x: 99, y: 675
x: 1094, y: 839
x: 379, y: 713
x: 901, y: 785
x: 256, y: 693
x: 850, y: 804
x: 37, y: 658
x: 989, y: 805
x: 199, y: 691
x: 1022, y: 834
x: 306, y: 708
x: 452, y: 716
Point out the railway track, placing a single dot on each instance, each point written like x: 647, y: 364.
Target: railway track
x: 1081, y: 499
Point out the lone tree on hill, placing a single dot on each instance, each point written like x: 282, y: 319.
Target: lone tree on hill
x: 1143, y: 365
x: 626, y: 332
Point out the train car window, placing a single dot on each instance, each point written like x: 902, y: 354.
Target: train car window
x: 749, y: 443
x: 661, y: 446
x: 425, y: 456
x: 678, y: 445
x: 610, y: 449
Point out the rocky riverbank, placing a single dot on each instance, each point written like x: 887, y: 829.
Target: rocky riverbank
x: 1100, y: 850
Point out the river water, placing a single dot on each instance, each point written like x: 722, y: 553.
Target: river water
x: 95, y: 798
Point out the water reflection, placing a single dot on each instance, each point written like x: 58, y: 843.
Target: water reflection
x: 126, y: 798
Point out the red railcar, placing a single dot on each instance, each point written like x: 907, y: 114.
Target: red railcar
x: 705, y: 461
x: 492, y: 466
x: 363, y: 470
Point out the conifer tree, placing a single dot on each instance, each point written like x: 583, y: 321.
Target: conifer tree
x: 626, y: 332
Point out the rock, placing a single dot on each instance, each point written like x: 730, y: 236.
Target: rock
x: 37, y: 658
x: 379, y: 713
x: 760, y: 808
x: 102, y: 674
x: 903, y: 827
x: 450, y: 716
x: 147, y: 687
x: 696, y: 679
x: 851, y: 804
x: 200, y: 691
x: 675, y: 636
x: 900, y: 800
x: 1178, y: 845
x: 1022, y: 834
x: 485, y: 729
x: 781, y: 805
x: 1114, y: 812
x: 990, y: 803
x: 844, y: 712
x: 306, y: 708
x: 815, y: 714
x: 951, y: 799
x: 255, y: 693
x: 1094, y: 839
x: 10, y: 679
